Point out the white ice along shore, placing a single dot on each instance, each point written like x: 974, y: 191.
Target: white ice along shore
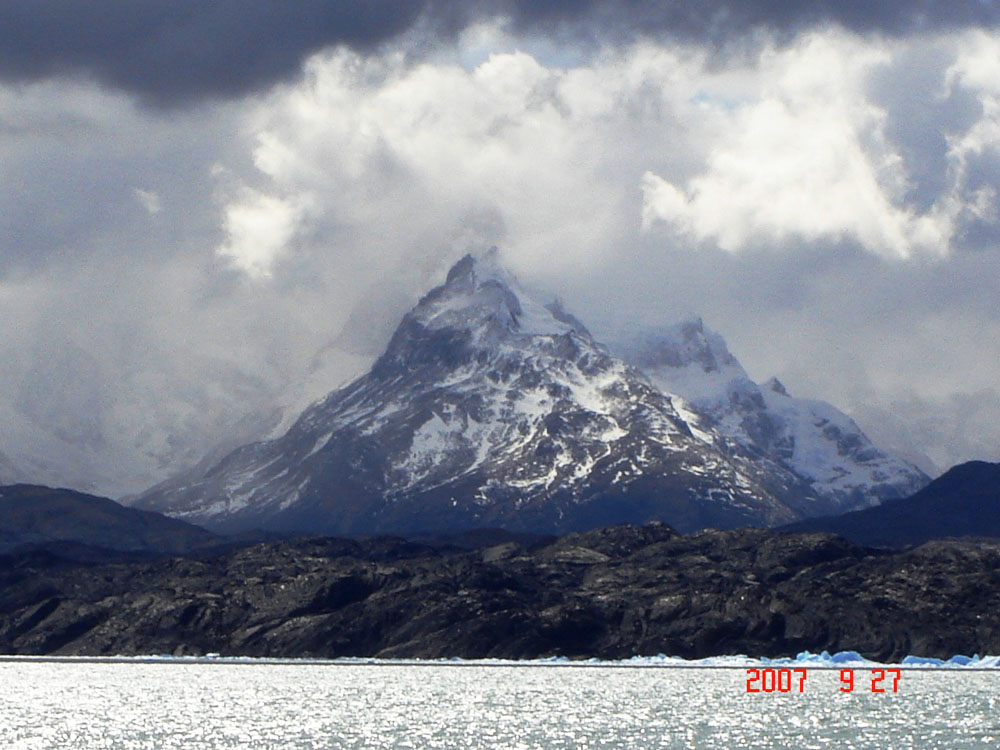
x: 823, y: 660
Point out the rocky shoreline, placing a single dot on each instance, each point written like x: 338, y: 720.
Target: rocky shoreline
x: 611, y: 593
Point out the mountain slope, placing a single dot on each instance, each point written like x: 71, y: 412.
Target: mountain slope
x: 34, y: 515
x: 964, y: 501
x: 487, y: 408
x: 813, y: 440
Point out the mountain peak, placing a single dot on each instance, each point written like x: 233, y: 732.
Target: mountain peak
x: 776, y: 386
x: 483, y: 266
x: 703, y: 346
x: 688, y: 344
x: 482, y: 297
x: 493, y: 406
x: 480, y: 309
x: 462, y: 269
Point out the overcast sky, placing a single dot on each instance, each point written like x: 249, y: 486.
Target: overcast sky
x: 209, y: 210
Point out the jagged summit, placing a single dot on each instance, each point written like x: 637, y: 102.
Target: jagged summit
x: 480, y: 305
x: 477, y: 291
x: 480, y: 290
x: 492, y: 406
x: 775, y: 386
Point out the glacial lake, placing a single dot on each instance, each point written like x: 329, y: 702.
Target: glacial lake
x: 124, y: 704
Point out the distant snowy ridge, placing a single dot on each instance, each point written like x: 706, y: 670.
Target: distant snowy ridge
x: 812, y: 439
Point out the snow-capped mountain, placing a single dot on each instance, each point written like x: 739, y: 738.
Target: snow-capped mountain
x: 488, y: 407
x: 812, y: 439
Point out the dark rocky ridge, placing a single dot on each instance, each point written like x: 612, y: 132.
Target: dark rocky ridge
x: 964, y: 501
x: 609, y: 593
x: 74, y: 523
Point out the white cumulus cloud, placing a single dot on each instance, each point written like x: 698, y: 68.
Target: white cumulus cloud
x: 259, y: 229
x: 806, y: 159
x: 149, y: 200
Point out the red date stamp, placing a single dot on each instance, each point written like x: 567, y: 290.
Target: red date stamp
x: 794, y: 680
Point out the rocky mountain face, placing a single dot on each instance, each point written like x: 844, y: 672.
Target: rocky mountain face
x: 962, y: 502
x: 490, y: 408
x: 611, y: 593
x: 763, y: 424
x: 32, y: 516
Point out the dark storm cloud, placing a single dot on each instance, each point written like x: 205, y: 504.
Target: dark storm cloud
x: 180, y: 50
x: 716, y: 20
x: 171, y: 50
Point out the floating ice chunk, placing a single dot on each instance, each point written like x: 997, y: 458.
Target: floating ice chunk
x: 921, y: 661
x: 964, y: 661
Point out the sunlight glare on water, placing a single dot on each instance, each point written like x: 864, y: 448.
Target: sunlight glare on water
x: 219, y: 705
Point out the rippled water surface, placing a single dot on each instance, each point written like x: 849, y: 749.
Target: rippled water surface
x: 267, y: 705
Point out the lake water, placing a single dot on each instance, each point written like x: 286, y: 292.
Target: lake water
x: 221, y: 704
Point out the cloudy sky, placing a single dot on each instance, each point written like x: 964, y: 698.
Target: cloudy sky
x: 210, y: 210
